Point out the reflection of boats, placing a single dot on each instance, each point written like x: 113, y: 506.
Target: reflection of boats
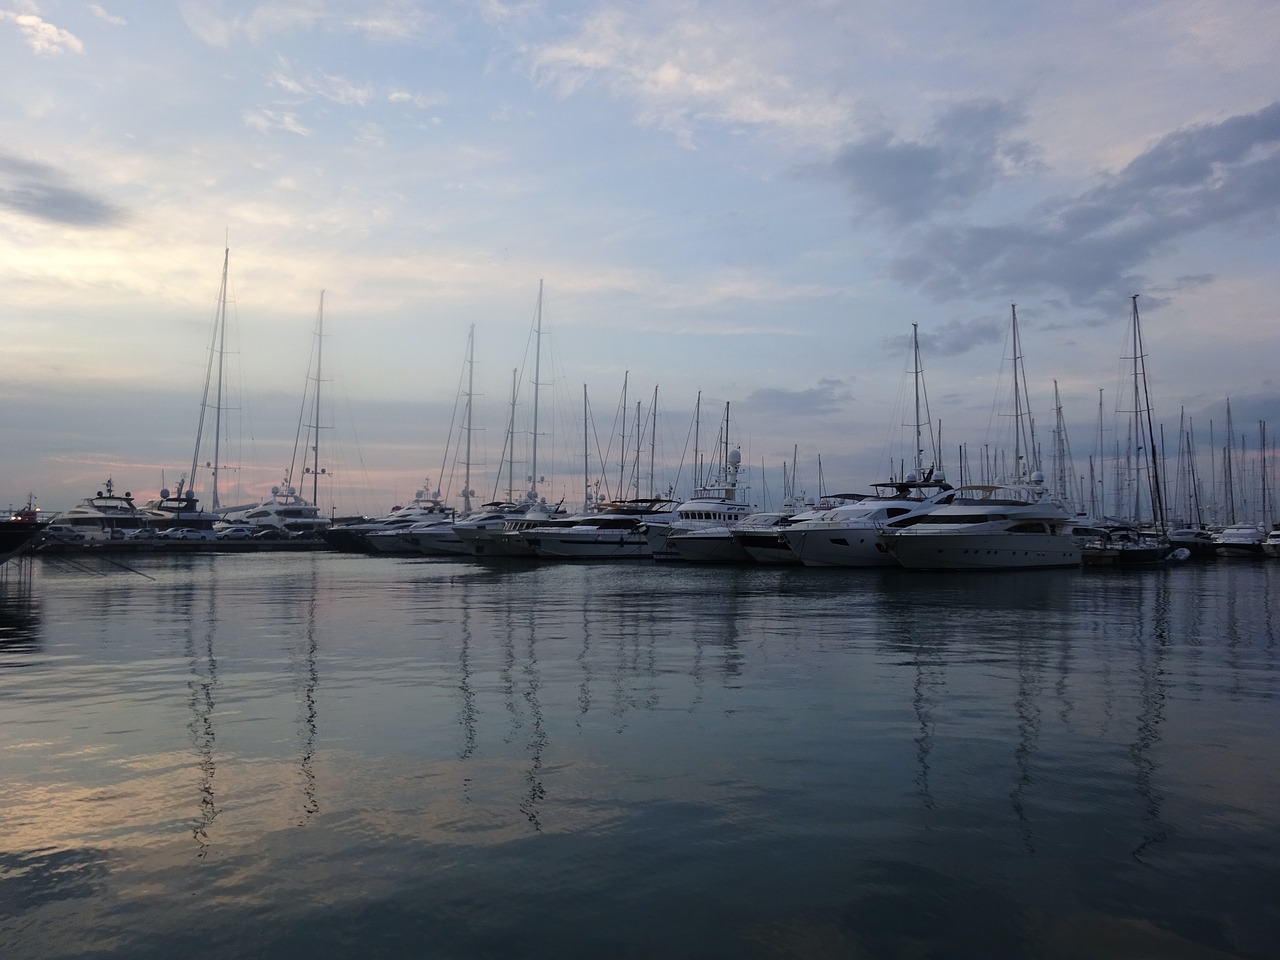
x: 105, y: 515
x: 992, y: 527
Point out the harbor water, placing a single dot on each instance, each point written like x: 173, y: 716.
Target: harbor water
x: 322, y: 755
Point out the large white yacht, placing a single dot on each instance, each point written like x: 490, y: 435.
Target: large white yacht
x: 355, y: 535
x: 284, y: 509
x: 180, y: 509
x: 849, y: 535
x: 106, y: 516
x: 699, y: 528
x: 615, y: 532
x: 1011, y: 526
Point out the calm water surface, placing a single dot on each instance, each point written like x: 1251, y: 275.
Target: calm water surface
x: 321, y: 755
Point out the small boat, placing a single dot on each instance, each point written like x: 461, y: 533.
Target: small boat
x: 1117, y: 544
x: 21, y: 530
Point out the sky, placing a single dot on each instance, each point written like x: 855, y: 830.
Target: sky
x: 748, y: 202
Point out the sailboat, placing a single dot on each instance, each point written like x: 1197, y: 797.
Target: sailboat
x: 286, y: 511
x: 1139, y: 541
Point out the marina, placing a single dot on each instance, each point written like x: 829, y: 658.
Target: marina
x: 329, y: 753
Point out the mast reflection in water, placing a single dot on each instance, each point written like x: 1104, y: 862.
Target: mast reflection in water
x: 375, y: 754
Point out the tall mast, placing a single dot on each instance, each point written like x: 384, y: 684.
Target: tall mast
x: 653, y: 440
x: 586, y: 455
x: 537, y: 370
x: 915, y: 350
x: 315, y: 449
x: 217, y: 361
x: 511, y: 437
x: 471, y: 374
x: 1024, y: 432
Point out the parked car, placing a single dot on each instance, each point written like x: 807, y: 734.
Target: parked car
x: 184, y: 533
x: 270, y: 533
x: 235, y: 533
x: 62, y: 532
x: 142, y: 533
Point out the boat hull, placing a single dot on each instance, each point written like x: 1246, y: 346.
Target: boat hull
x: 957, y: 551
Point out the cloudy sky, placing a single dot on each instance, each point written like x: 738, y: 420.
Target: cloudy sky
x: 755, y: 200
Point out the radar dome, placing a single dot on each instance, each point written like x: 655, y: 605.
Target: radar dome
x: 735, y: 457
x: 164, y: 493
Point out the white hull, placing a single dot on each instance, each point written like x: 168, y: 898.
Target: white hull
x: 604, y: 545
x: 840, y: 547
x: 983, y: 551
x: 708, y: 547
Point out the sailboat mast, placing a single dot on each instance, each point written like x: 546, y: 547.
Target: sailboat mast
x: 217, y: 354
x: 537, y: 370
x: 471, y: 376
x: 511, y: 437
x: 1153, y: 457
x: 315, y: 449
x: 586, y: 454
x: 915, y: 351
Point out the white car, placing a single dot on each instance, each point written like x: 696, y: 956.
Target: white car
x: 235, y: 533
x: 62, y: 532
x: 184, y: 533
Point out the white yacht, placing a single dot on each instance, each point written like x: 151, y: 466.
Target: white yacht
x: 849, y: 535
x: 1271, y: 543
x: 1012, y: 526
x: 180, y: 510
x: 284, y: 510
x: 615, y: 532
x: 354, y: 536
x: 106, y: 516
x: 1240, y: 540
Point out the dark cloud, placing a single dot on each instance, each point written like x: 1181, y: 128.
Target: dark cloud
x: 829, y: 396
x: 1091, y: 247
x: 41, y: 191
x: 950, y: 339
x: 967, y: 151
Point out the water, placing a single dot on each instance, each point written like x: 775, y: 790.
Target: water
x: 320, y: 755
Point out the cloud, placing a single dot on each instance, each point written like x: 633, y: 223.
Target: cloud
x: 334, y: 88
x: 267, y: 19
x: 264, y: 121
x: 949, y: 340
x: 967, y: 151
x: 684, y: 73
x: 1092, y: 246
x: 40, y: 191
x: 829, y: 396
x: 41, y: 36
x: 105, y: 17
